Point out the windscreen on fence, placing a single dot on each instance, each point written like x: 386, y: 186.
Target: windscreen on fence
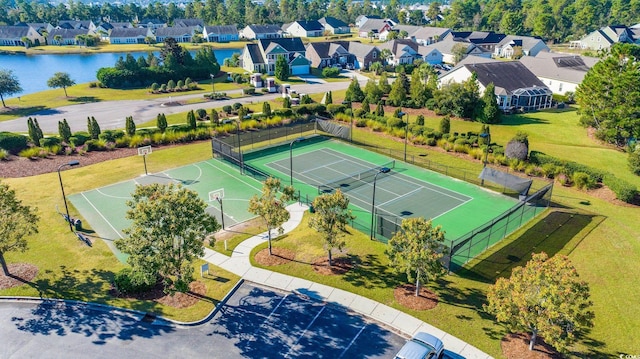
x: 470, y: 245
x: 354, y: 180
x: 226, y: 151
x: 334, y: 128
x: 515, y: 183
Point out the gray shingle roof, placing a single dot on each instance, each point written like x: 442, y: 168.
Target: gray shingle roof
x: 67, y: 33
x: 526, y: 42
x: 373, y: 25
x: 508, y: 75
x: 255, y: 54
x: 326, y: 49
x: 128, y: 32
x: 292, y: 44
x: 188, y: 22
x: 222, y: 29
x: 358, y: 49
x: 175, y: 31
x: 265, y: 29
x: 13, y: 32
x: 333, y: 22
x: 568, y: 68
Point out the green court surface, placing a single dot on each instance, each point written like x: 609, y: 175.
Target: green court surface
x: 105, y: 208
x: 406, y: 191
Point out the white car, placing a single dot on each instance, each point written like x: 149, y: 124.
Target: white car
x: 422, y: 346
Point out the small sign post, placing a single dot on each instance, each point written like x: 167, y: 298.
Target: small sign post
x: 204, y: 269
x: 144, y: 151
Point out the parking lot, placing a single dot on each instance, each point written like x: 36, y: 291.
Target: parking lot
x: 256, y: 322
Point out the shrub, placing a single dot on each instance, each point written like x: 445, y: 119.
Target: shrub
x: 79, y: 138
x: 460, y: 148
x: 227, y: 109
x: 127, y: 281
x: 13, y: 142
x: 201, y: 113
x: 563, y: 179
x: 634, y: 161
x: 516, y: 150
x: 4, y: 154
x: 540, y: 158
x: 432, y: 141
x: 394, y: 122
x: 96, y: 145
x: 445, y: 124
x: 136, y: 141
x: 361, y: 122
x: 236, y: 106
x: 53, y: 149
x: 549, y: 170
x: 330, y: 72
x: 123, y: 142
x: 477, y: 153
x: 110, y: 135
x: 583, y: 180
x: 50, y: 141
x: 624, y: 190
x: 31, y: 152
x: 533, y: 170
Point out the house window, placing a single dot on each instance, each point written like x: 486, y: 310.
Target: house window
x: 560, y: 87
x: 374, y: 54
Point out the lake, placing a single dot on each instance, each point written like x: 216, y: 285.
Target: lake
x: 33, y: 71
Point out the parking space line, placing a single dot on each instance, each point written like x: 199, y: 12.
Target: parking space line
x: 270, y: 315
x: 305, y: 331
x: 352, y: 341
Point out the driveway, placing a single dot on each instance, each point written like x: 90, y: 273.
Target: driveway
x: 113, y: 114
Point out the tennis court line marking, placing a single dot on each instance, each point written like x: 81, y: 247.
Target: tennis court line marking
x: 305, y: 331
x: 234, y: 176
x: 352, y: 341
x: 99, y: 213
x: 400, y: 197
x: 275, y: 163
x: 323, y: 166
x: 422, y: 185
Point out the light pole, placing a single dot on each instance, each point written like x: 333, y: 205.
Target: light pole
x: 212, y: 84
x: 487, y: 138
x: 64, y: 198
x: 373, y: 199
x: 239, y: 147
x: 299, y: 139
x: 406, y: 132
x: 351, y: 110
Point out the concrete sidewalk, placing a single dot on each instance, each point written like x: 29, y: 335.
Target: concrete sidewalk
x: 239, y: 264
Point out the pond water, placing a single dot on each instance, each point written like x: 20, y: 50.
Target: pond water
x: 33, y: 71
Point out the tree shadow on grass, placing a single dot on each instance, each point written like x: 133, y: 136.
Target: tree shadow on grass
x: 558, y: 232
x: 84, y: 99
x: 22, y: 111
x: 369, y: 272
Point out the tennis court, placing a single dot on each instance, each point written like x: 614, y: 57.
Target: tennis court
x: 321, y: 165
x: 217, y: 183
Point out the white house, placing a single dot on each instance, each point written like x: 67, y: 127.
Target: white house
x: 530, y: 46
x: 303, y: 28
x: 430, y: 55
x: 561, y: 73
x: 257, y: 32
x: 133, y: 35
x: 262, y: 56
x: 223, y: 33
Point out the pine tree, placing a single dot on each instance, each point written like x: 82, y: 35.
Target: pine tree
x: 379, y: 109
x: 354, y: 92
x: 286, y: 102
x: 372, y: 92
x: 383, y: 84
x: 130, y: 126
x: 94, y: 128
x: 214, y: 116
x: 445, y: 125
x: 266, y: 109
x: 33, y: 132
x: 191, y: 120
x: 329, y: 98
x: 282, y: 71
x: 161, y: 122
x: 365, y: 106
x: 417, y: 89
x: 38, y: 129
x: 491, y: 110
x: 398, y: 93
x: 64, y: 130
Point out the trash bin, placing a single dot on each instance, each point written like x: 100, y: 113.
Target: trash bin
x: 78, y: 224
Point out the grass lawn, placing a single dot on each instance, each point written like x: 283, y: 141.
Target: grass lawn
x: 68, y: 268
x: 106, y: 47
x: 237, y: 234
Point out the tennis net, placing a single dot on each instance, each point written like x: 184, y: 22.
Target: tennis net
x: 355, y: 180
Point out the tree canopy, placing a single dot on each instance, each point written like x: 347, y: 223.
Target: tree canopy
x: 61, y: 79
x: 330, y: 218
x: 282, y: 71
x: 545, y: 297
x: 354, y: 92
x: 169, y: 225
x: 609, y: 97
x: 18, y: 222
x: 416, y: 249
x: 271, y: 205
x: 9, y: 85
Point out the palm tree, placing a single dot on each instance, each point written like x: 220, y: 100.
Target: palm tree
x: 58, y: 39
x: 376, y: 68
x: 370, y: 34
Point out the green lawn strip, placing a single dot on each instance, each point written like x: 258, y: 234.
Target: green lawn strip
x: 241, y: 232
x: 70, y: 269
x: 372, y: 277
x: 107, y: 47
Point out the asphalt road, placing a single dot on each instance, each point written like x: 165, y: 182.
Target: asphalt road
x: 113, y: 114
x: 255, y: 323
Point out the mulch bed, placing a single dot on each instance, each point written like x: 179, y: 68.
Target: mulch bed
x: 279, y: 256
x: 196, y: 291
x: 341, y: 265
x: 405, y: 295
x: 20, y: 273
x: 516, y: 346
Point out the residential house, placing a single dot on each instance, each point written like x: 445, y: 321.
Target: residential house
x: 180, y: 34
x: 104, y: 29
x: 448, y: 48
x: 67, y: 36
x: 262, y: 56
x: 152, y: 23
x: 40, y: 27
x: 303, y: 28
x: 373, y: 28
x: 487, y: 40
x: 325, y: 54
x: 526, y: 45
x: 515, y: 86
x: 191, y: 23
x: 430, y: 55
x: 257, y: 32
x: 334, y: 26
x: 402, y: 51
x: 222, y: 33
x: 364, y: 55
x: 130, y: 35
x: 428, y: 35
x: 384, y: 35
x: 561, y: 73
x: 605, y: 37
x: 15, y: 35
x: 75, y: 24
x: 361, y: 19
